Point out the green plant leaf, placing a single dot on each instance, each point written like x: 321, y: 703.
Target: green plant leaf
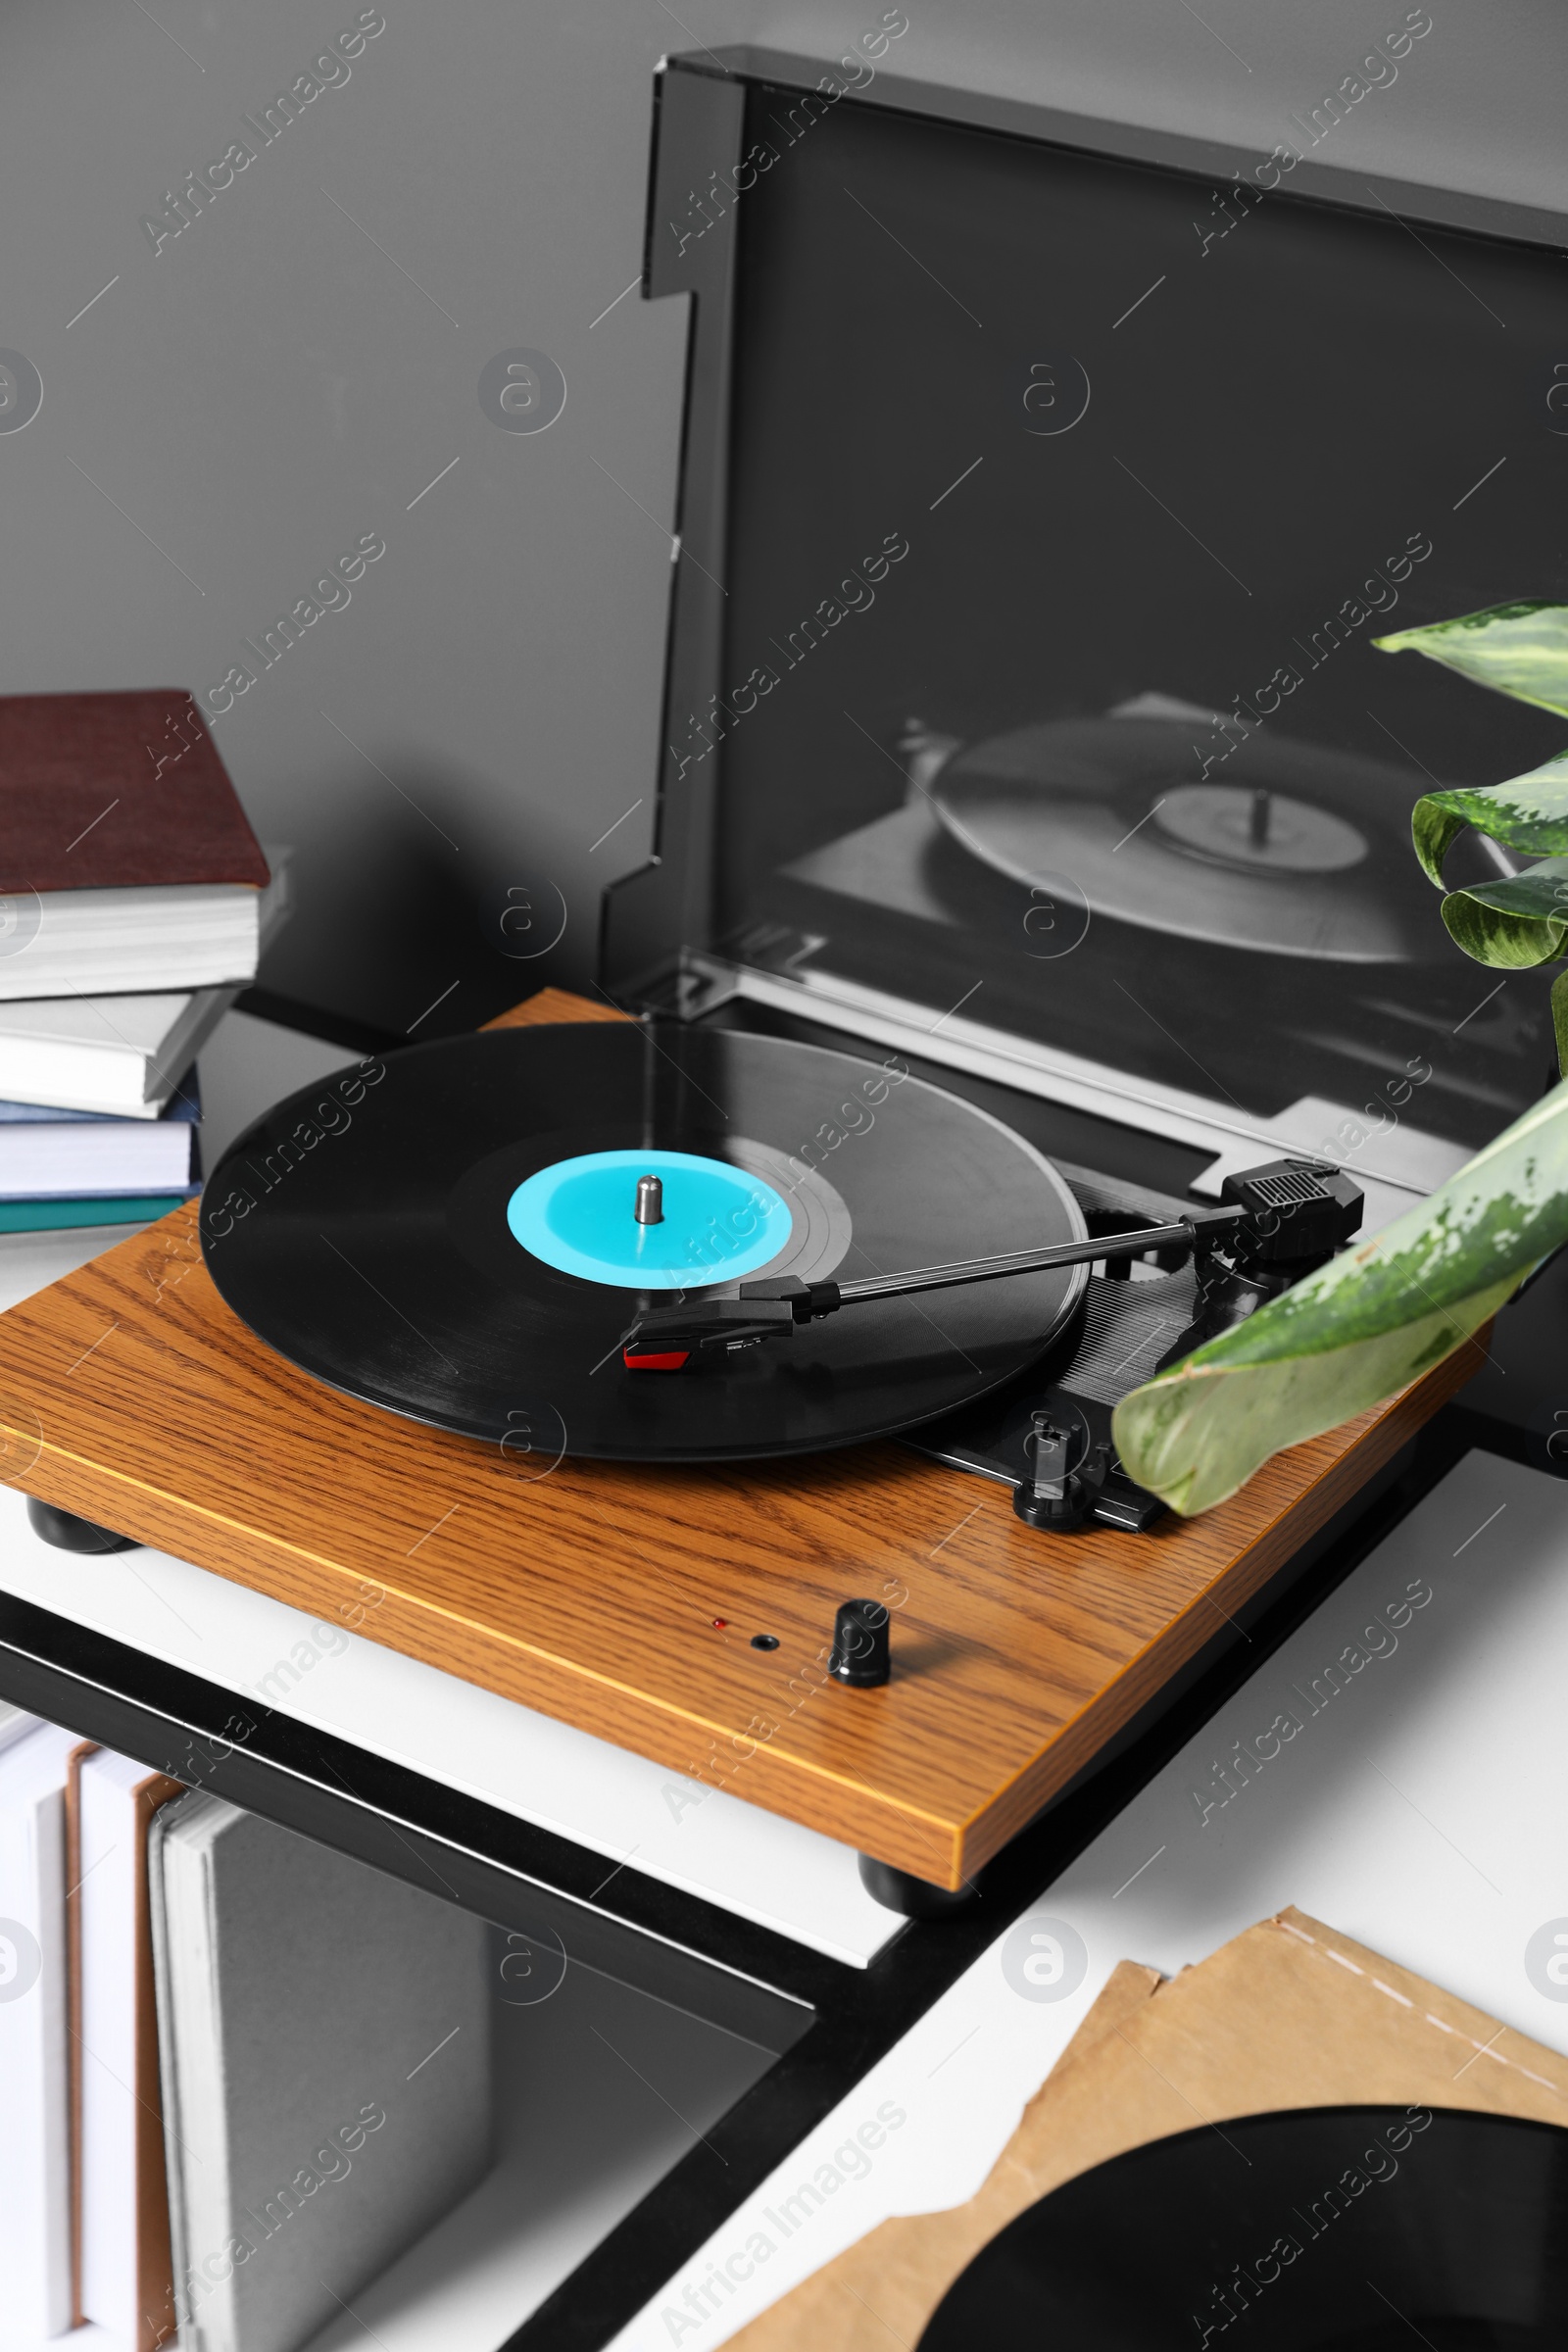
x: 1520, y: 650
x: 1515, y: 924
x: 1358, y: 1330
x: 1434, y: 828
x: 1529, y: 813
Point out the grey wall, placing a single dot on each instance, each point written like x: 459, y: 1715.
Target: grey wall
x: 242, y: 405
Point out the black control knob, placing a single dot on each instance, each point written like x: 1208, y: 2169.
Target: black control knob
x: 861, y: 1654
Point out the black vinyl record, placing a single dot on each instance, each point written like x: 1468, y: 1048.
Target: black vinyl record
x: 361, y: 1229
x: 1361, y: 2229
x: 1277, y: 847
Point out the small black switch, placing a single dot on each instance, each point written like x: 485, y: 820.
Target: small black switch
x: 862, y: 1651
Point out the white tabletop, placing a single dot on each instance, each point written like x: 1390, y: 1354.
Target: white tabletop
x: 1419, y: 1810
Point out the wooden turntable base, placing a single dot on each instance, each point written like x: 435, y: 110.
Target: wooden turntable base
x: 625, y: 1598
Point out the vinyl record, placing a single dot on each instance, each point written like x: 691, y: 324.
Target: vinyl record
x: 1257, y: 842
x: 1364, y: 2229
x: 451, y: 1234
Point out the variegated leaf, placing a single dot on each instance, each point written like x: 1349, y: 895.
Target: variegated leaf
x: 1520, y: 650
x: 1358, y: 1330
x: 1513, y: 924
x: 1529, y: 813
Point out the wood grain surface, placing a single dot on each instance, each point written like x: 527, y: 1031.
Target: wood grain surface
x: 625, y: 1599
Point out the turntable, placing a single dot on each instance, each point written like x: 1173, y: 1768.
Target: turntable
x: 1283, y: 848
x: 353, y: 1367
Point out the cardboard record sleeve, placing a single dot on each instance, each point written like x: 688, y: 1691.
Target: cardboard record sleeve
x: 1288, y: 2015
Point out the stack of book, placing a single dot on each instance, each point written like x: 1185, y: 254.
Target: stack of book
x: 239, y: 2073
x: 134, y: 904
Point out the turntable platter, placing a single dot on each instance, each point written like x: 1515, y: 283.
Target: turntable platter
x: 1257, y: 831
x: 1294, y: 851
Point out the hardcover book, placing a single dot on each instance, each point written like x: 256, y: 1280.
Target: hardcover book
x: 116, y: 791
x: 125, y: 859
x: 324, y: 2038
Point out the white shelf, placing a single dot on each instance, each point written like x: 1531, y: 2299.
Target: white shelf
x: 583, y: 2132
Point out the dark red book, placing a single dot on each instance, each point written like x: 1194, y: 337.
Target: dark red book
x: 111, y: 790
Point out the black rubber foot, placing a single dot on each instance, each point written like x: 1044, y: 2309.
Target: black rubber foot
x: 911, y: 1897
x: 67, y: 1533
